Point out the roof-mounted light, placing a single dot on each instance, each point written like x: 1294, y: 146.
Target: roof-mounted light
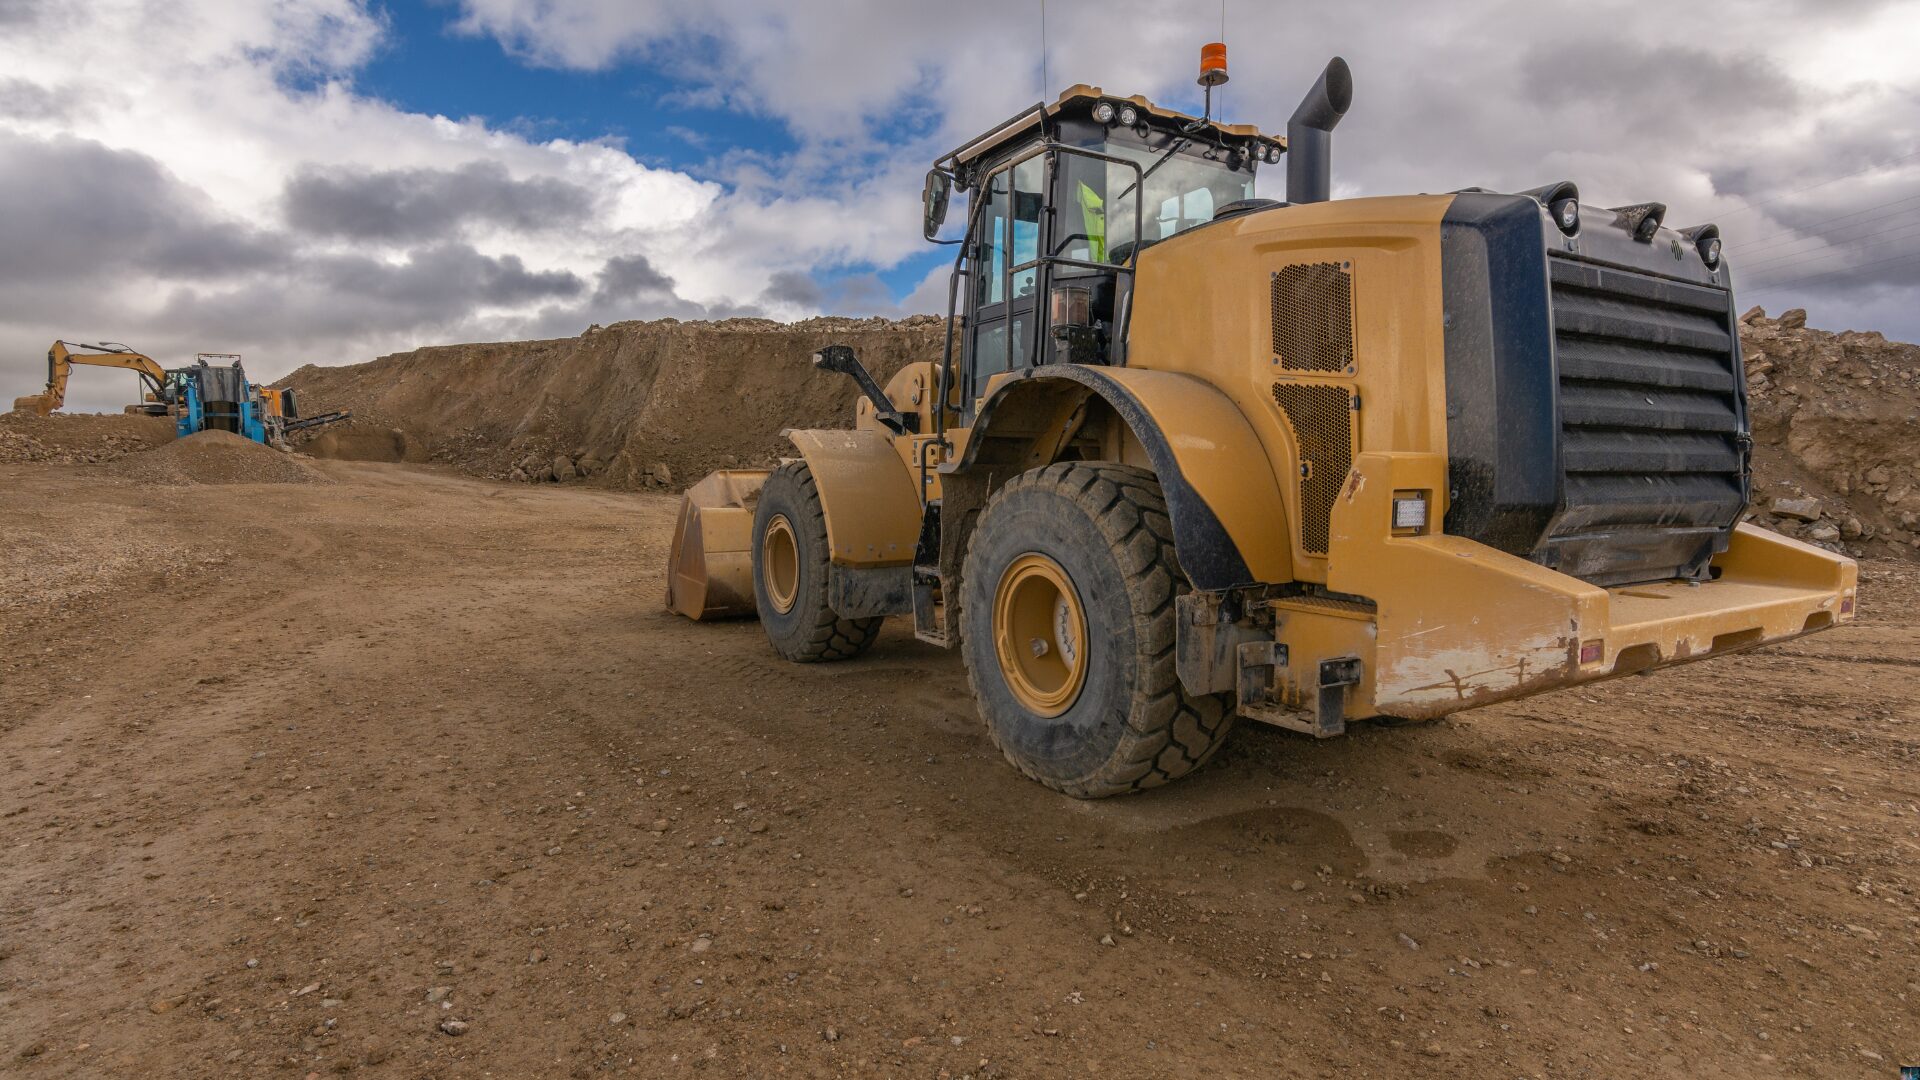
x: 1566, y: 214
x: 1213, y: 64
x: 1642, y: 220
x: 1562, y: 201
x: 1706, y: 241
x: 1129, y: 116
x: 1103, y: 112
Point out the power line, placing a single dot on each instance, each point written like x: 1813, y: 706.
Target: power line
x: 1821, y: 184
x: 1761, y: 243
x: 1833, y: 237
x: 1838, y: 248
x: 1787, y: 283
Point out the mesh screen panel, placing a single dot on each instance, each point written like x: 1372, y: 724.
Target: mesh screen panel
x: 1313, y: 317
x: 1321, y: 416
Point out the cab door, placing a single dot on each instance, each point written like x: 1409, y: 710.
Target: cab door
x: 1002, y: 323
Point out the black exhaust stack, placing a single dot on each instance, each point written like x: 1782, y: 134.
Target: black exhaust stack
x: 1310, y: 134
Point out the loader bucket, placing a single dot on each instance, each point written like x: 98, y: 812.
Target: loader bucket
x: 710, y: 569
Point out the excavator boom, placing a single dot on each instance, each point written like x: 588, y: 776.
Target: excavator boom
x: 60, y: 361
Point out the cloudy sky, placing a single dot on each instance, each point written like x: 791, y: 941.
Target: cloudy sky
x: 326, y: 180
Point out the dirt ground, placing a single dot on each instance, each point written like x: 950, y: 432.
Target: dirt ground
x: 297, y: 779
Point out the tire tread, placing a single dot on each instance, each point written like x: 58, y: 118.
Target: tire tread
x: 1169, y: 733
x: 830, y: 637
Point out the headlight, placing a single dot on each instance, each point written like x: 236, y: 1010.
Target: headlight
x: 1103, y: 112
x: 1273, y: 154
x: 1129, y: 115
x: 1710, y: 252
x: 1566, y: 214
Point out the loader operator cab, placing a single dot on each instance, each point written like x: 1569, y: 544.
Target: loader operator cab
x: 1062, y: 199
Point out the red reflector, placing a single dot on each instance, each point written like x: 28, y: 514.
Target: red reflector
x: 1591, y: 651
x: 1846, y: 606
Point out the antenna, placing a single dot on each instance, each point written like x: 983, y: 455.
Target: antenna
x: 1044, y: 81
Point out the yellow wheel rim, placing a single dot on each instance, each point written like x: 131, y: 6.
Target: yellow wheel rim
x: 780, y: 563
x: 1040, y: 634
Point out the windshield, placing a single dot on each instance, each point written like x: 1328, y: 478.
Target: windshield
x: 1182, y: 189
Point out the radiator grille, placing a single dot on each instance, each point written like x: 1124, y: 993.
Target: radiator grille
x: 1321, y: 417
x: 1313, y: 317
x: 1651, y: 424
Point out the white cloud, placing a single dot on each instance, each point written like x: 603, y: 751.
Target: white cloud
x: 200, y: 102
x: 1715, y: 111
x: 258, y: 225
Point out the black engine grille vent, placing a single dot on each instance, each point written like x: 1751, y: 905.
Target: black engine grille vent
x: 1652, y: 444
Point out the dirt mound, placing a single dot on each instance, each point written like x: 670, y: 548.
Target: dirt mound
x: 79, y: 438
x: 629, y: 403
x: 216, y: 457
x: 1836, y: 419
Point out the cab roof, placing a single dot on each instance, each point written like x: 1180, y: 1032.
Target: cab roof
x: 1079, y: 96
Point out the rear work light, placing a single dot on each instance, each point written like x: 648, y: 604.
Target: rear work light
x: 1409, y: 512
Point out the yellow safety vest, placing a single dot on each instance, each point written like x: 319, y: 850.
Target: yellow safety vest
x: 1093, y: 212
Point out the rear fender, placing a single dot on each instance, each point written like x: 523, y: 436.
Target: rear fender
x: 866, y: 494
x: 1229, y: 521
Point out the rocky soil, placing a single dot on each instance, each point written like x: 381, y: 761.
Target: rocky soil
x: 1836, y: 424
x: 391, y: 776
x: 79, y: 438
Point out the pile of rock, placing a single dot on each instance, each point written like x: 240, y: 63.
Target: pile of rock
x: 544, y: 467
x: 1805, y: 517
x: 1836, y: 417
x: 540, y: 467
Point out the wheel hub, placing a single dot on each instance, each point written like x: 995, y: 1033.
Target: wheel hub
x: 1040, y: 633
x: 780, y: 563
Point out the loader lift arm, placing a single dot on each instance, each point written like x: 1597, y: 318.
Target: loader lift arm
x: 60, y: 361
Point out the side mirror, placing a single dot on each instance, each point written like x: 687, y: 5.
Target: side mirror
x: 933, y: 202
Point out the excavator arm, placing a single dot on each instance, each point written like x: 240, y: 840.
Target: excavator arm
x: 60, y: 361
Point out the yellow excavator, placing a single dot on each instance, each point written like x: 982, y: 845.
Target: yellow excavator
x: 1191, y: 455
x: 61, y: 358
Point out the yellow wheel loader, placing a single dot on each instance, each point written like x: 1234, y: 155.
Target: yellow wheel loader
x: 1190, y: 455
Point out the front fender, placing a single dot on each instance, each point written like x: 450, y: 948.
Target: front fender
x: 866, y: 495
x: 1229, y: 521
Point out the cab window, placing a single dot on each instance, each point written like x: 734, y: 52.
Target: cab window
x: 990, y: 285
x: 1029, y: 193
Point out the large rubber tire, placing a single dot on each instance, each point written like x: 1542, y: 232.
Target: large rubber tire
x: 1132, y: 725
x: 807, y: 631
